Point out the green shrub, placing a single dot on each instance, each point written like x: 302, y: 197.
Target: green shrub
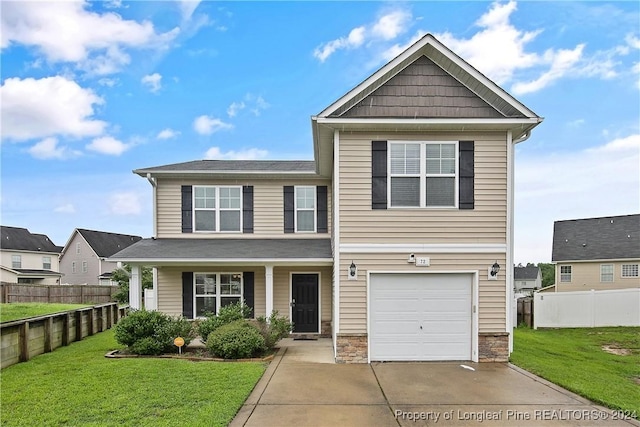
x: 227, y: 314
x: 236, y: 340
x: 151, y: 332
x: 273, y: 329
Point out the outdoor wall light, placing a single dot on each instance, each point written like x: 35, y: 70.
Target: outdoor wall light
x: 493, y: 271
x: 353, y: 272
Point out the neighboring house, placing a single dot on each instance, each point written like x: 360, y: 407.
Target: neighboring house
x: 84, y: 258
x: 526, y: 280
x: 384, y: 242
x: 597, y: 253
x: 28, y: 257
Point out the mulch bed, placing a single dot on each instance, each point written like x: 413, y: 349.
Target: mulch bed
x: 191, y: 354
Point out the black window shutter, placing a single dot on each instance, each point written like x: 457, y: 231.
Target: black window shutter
x: 247, y: 209
x: 187, y: 212
x: 187, y: 294
x: 379, y: 175
x: 249, y: 280
x: 466, y: 192
x: 321, y: 204
x: 289, y: 223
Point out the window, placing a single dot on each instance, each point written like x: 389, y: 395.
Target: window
x: 565, y: 273
x: 46, y: 263
x: 217, y: 208
x: 216, y: 290
x: 85, y: 266
x: 606, y: 272
x: 305, y: 209
x: 73, y: 267
x: 16, y: 261
x: 423, y: 174
x: 629, y: 270
x: 77, y: 248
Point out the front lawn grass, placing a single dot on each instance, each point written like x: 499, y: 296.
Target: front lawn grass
x: 575, y: 359
x: 20, y: 310
x: 78, y: 386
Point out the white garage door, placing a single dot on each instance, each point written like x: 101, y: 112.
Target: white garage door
x: 420, y: 317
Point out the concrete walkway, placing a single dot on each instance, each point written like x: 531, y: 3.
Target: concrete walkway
x: 303, y: 387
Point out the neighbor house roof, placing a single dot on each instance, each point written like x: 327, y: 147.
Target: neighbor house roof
x: 103, y: 243
x: 230, y: 250
x: 234, y: 167
x: 525, y: 273
x: 613, y: 237
x: 21, y: 239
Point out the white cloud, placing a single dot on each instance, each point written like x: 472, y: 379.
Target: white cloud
x: 562, y: 61
x: 153, y: 82
x: 95, y: 42
x: 66, y: 208
x: 249, y: 154
x: 187, y: 7
x: 108, y: 82
x: 125, y: 203
x: 388, y: 27
x: 108, y: 145
x: 48, y: 148
x: 599, y: 181
x: 50, y: 106
x: 233, y: 109
x: 205, y: 125
x: 167, y: 134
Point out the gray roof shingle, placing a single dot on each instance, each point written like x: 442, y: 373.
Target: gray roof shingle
x: 613, y: 237
x: 525, y: 273
x: 20, y: 239
x: 225, y: 249
x: 106, y: 244
x: 248, y: 166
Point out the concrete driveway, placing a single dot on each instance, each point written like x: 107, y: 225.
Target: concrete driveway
x: 303, y: 387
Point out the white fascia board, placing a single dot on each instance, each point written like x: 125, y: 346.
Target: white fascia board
x: 209, y: 173
x: 425, y: 121
x: 453, y: 248
x: 603, y: 261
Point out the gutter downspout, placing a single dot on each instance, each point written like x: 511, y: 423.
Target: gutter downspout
x: 154, y: 184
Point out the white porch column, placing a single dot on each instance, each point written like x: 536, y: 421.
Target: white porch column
x: 268, y: 276
x: 135, y: 288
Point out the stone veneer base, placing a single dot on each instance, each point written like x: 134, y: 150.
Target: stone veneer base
x: 352, y: 348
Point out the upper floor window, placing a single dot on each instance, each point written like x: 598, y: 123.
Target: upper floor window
x: 629, y: 270
x: 46, y: 263
x: 565, y: 273
x: 77, y: 248
x: 217, y: 209
x: 423, y: 174
x: 73, y: 267
x: 85, y: 267
x: 606, y: 272
x: 305, y: 208
x: 16, y: 261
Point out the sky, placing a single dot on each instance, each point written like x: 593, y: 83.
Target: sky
x: 93, y: 90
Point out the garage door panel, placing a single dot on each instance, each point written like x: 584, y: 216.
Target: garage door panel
x: 420, y: 316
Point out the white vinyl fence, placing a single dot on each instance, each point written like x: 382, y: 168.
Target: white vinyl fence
x: 587, y: 309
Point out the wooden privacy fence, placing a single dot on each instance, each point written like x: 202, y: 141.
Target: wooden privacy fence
x: 23, y: 339
x: 525, y: 311
x: 66, y: 294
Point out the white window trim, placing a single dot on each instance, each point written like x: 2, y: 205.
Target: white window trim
x: 44, y: 263
x: 217, y: 209
x: 85, y: 267
x: 74, y: 268
x: 218, y: 296
x: 315, y: 208
x: 78, y: 248
x: 423, y: 175
x: 16, y: 259
x: 613, y: 273
x: 629, y: 277
x: 570, y: 274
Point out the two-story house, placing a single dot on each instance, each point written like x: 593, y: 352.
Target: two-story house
x: 526, y: 280
x: 28, y: 257
x: 394, y: 241
x: 83, y: 260
x: 597, y: 253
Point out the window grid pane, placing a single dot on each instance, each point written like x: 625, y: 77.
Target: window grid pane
x: 606, y: 273
x: 405, y: 191
x: 16, y: 261
x: 630, y: 270
x: 441, y: 192
x: 565, y: 273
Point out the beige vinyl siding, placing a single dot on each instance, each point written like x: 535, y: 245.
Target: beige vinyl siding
x: 586, y: 276
x: 268, y: 208
x: 353, y: 293
x: 170, y: 287
x: 486, y: 223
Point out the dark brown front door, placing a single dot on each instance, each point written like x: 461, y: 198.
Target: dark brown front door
x: 304, y: 302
